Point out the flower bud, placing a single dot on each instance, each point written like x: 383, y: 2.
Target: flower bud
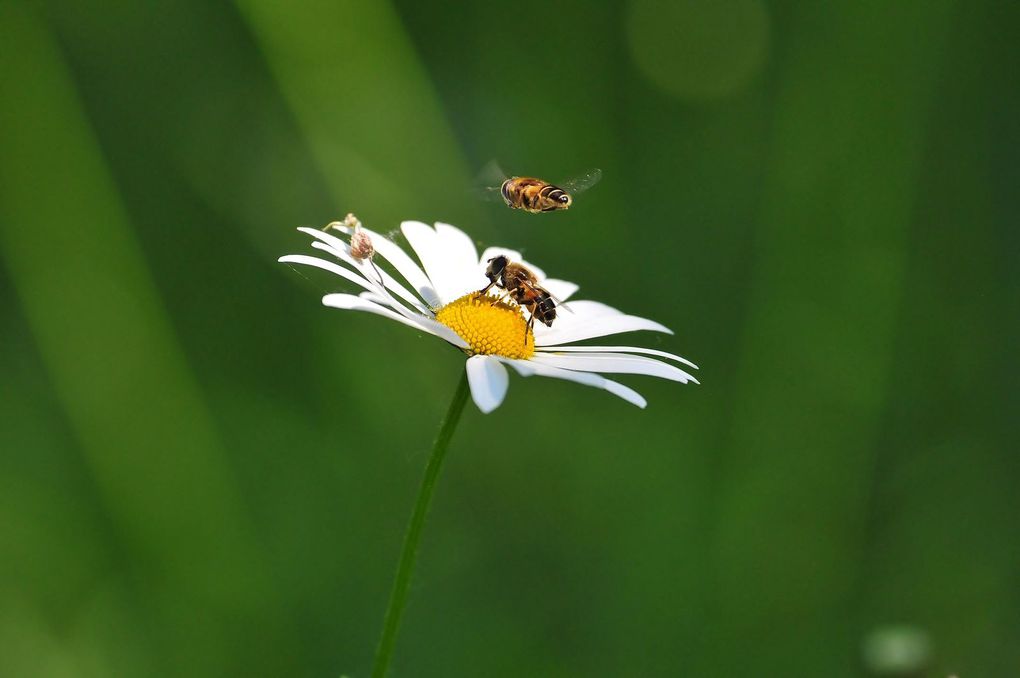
x: 361, y: 244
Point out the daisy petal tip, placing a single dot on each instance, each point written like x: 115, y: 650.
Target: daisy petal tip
x: 488, y: 380
x: 632, y: 398
x: 485, y: 408
x: 337, y: 299
x: 625, y: 392
x: 414, y: 227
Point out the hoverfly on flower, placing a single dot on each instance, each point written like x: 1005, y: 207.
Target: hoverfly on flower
x: 439, y: 293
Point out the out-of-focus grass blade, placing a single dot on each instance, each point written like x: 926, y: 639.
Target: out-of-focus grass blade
x: 848, y: 141
x: 111, y: 353
x: 362, y: 99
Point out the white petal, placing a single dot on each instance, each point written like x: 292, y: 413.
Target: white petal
x: 488, y: 380
x: 325, y: 237
x: 585, y: 309
x: 614, y: 363
x: 620, y: 349
x: 446, y: 270
x: 591, y: 319
x: 530, y: 367
x: 372, y: 273
x: 384, y: 298
x: 327, y: 266
x: 340, y: 249
x: 474, y: 280
x: 392, y: 253
x: 353, y: 303
x: 405, y: 266
x: 560, y: 289
x: 576, y: 314
x: 350, y: 302
x: 461, y: 256
x: 625, y: 392
x: 372, y: 286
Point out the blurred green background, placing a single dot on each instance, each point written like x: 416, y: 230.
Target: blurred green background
x: 203, y: 472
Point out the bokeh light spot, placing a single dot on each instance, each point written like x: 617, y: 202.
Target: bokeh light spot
x: 897, y: 651
x: 698, y: 49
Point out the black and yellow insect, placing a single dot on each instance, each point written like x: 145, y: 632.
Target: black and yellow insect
x: 521, y: 285
x: 537, y: 195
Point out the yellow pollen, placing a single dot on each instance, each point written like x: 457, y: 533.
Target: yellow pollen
x: 490, y: 327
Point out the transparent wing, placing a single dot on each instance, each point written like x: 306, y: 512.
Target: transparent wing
x: 559, y: 302
x: 489, y: 181
x: 488, y: 193
x: 491, y: 174
x: 582, y: 182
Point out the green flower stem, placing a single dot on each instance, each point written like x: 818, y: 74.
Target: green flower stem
x: 409, y: 552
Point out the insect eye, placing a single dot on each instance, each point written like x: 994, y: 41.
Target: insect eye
x: 564, y: 198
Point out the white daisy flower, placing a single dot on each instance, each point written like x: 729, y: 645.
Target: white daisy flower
x: 441, y: 297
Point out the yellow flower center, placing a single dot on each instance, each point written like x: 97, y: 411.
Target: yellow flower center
x: 490, y: 327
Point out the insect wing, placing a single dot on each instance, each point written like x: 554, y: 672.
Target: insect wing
x: 489, y: 193
x: 559, y: 302
x: 582, y: 182
x: 489, y: 182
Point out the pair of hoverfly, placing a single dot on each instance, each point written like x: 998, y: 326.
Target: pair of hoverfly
x: 535, y: 196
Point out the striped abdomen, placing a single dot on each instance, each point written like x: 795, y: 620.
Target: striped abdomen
x: 534, y: 195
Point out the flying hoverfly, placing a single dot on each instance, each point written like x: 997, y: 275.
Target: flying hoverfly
x: 538, y: 195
